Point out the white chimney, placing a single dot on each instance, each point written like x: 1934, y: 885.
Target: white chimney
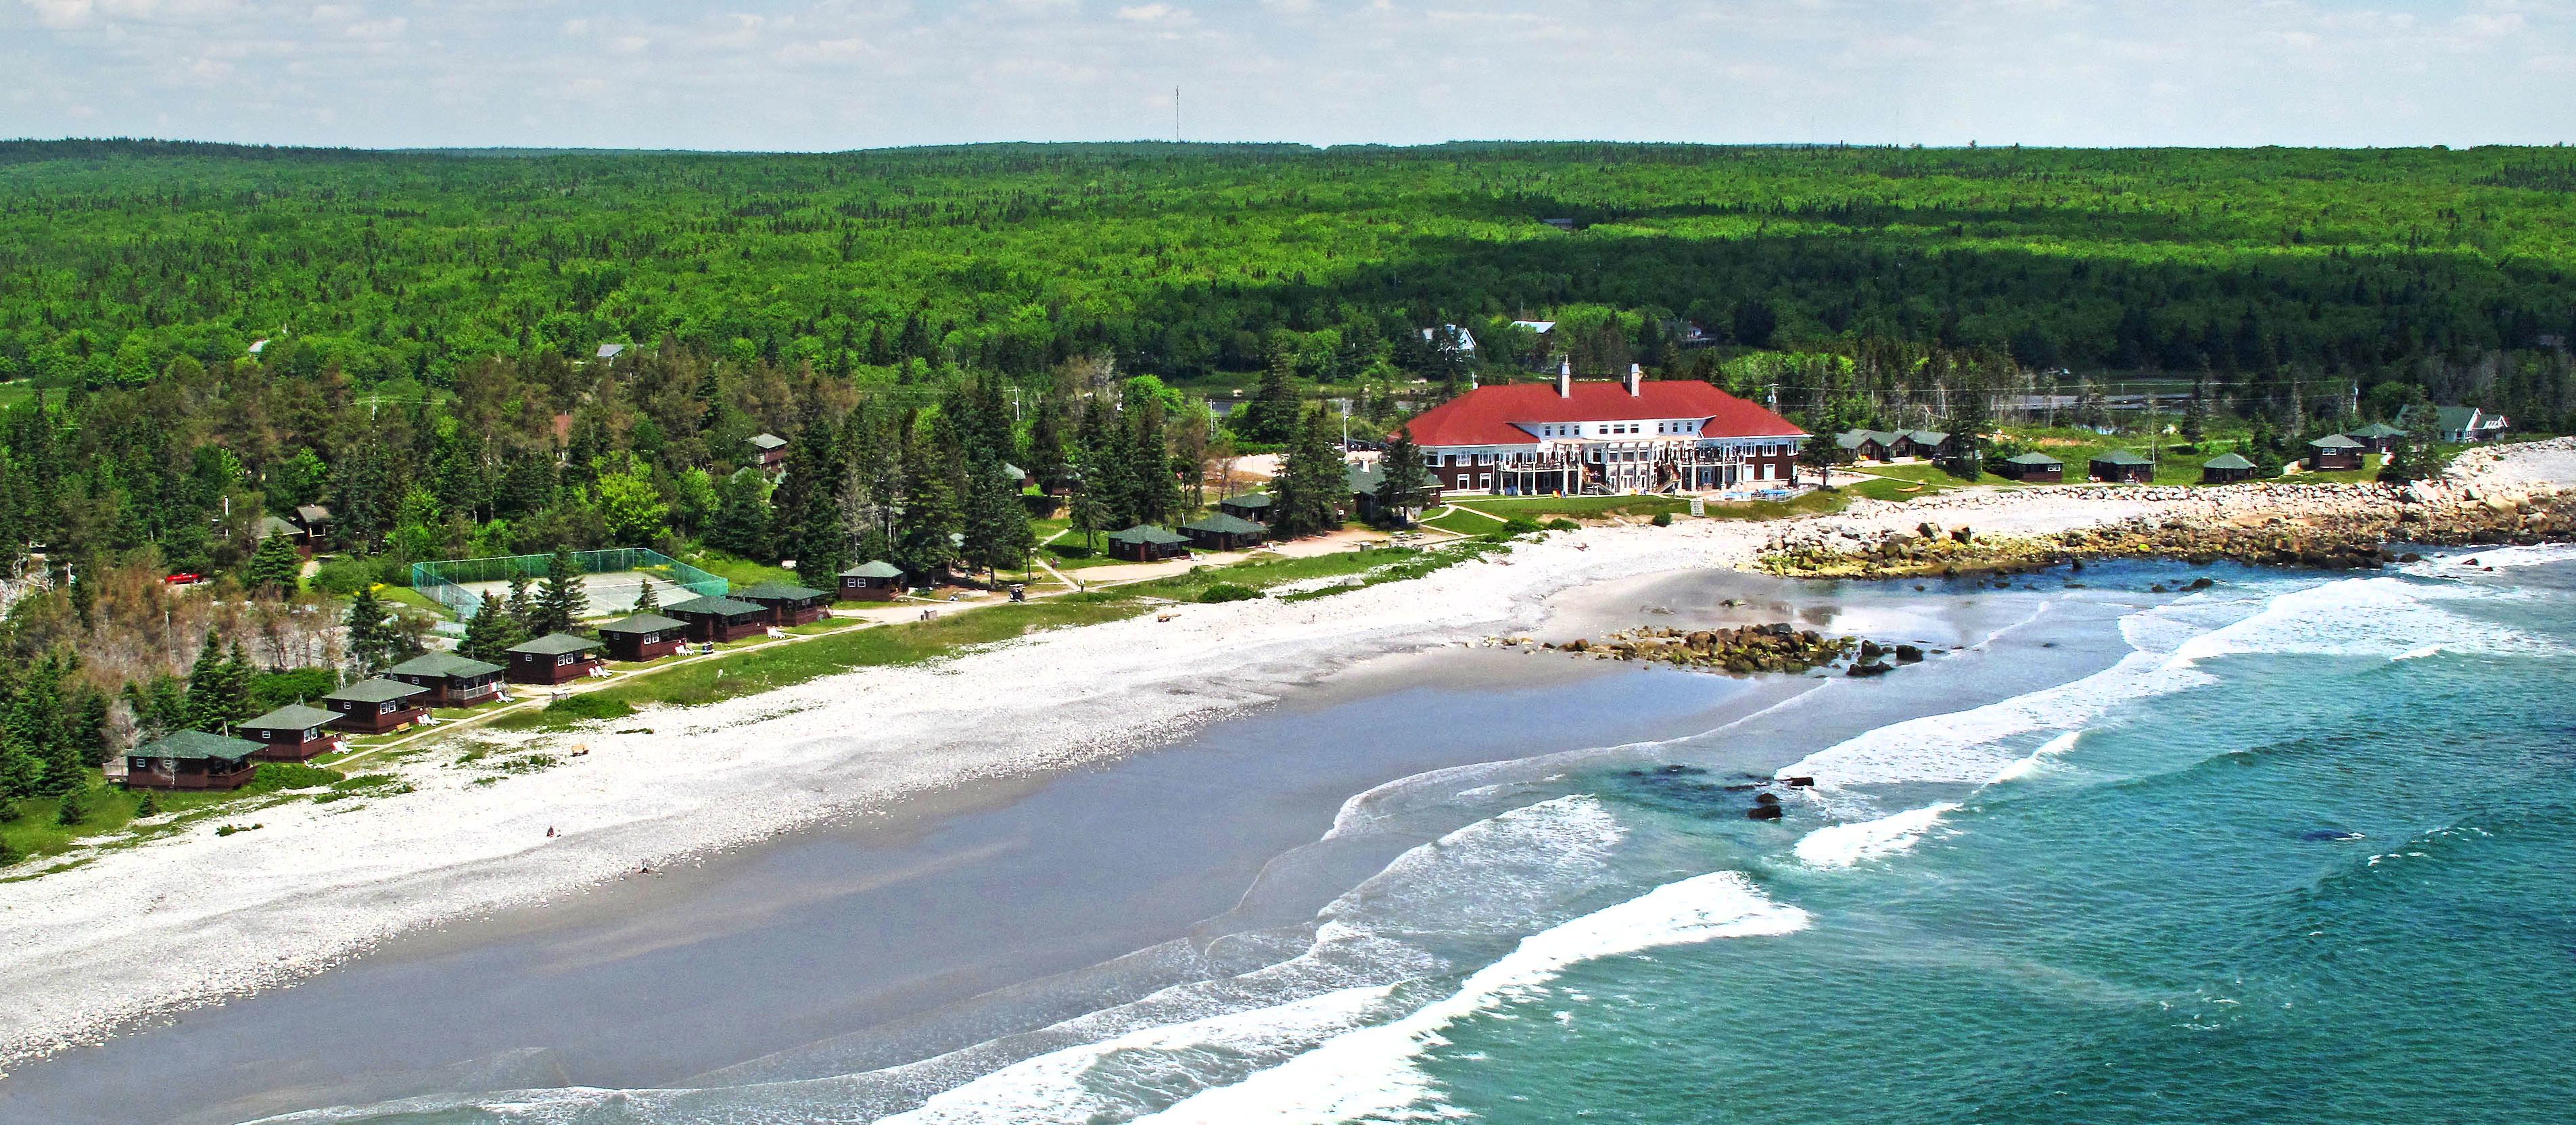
x: 1636, y: 378
x: 1565, y: 378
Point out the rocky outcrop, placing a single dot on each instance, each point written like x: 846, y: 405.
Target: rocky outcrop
x: 1742, y: 651
x: 2324, y: 526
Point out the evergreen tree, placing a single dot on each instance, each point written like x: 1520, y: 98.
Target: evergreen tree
x: 373, y: 640
x: 1272, y: 415
x: 1306, y: 496
x: 1084, y: 513
x: 922, y: 543
x: 218, y: 688
x: 561, y: 596
x: 2195, y: 414
x: 160, y: 705
x: 1971, y: 418
x: 995, y: 522
x: 522, y: 604
x: 1400, y: 481
x: 491, y: 632
x: 89, y: 718
x: 807, y: 504
x: 1156, y: 495
x: 647, y: 600
x: 275, y: 569
x: 742, y: 525
x: 1047, y: 460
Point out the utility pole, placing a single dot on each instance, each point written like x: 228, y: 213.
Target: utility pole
x: 1176, y: 115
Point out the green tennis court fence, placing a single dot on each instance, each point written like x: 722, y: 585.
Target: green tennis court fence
x: 445, y: 580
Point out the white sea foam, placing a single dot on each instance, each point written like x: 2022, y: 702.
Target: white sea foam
x: 2501, y: 558
x: 2419, y: 653
x: 2038, y: 758
x: 1374, y: 1072
x: 1842, y: 845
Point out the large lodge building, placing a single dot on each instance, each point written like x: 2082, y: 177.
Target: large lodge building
x: 1632, y: 436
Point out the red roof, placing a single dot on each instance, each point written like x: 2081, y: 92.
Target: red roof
x: 1485, y: 416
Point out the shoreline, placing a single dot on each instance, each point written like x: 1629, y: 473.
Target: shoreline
x: 321, y: 884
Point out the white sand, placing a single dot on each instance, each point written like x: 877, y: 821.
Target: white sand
x: 193, y: 918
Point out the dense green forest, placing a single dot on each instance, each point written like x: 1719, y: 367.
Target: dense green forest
x: 116, y: 257
x: 195, y: 339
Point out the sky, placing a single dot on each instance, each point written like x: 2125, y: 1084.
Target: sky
x: 844, y: 74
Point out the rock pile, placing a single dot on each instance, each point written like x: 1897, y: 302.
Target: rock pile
x: 1742, y: 651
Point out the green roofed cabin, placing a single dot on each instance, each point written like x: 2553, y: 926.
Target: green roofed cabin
x: 643, y: 636
x: 552, y: 659
x: 787, y: 603
x: 2120, y: 466
x: 1254, y: 506
x: 2226, y: 468
x: 452, y: 680
x: 2031, y: 468
x: 873, y: 581
x: 716, y: 620
x: 376, y: 706
x: 1222, y: 532
x: 2334, y: 453
x: 1927, y: 444
x: 293, y: 733
x: 1147, y: 542
x: 192, y: 759
x: 1866, y: 445
x: 767, y: 450
x: 2377, y: 437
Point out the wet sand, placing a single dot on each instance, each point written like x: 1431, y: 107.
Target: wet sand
x: 1005, y: 905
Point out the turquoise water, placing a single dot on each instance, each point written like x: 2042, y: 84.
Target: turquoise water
x: 2305, y: 854
x: 2150, y: 923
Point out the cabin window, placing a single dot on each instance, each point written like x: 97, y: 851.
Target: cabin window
x: 311, y: 733
x: 384, y: 708
x: 563, y: 659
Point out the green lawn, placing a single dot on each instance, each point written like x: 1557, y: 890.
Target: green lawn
x: 34, y: 826
x: 413, y: 599
x: 741, y: 572
x: 1465, y: 521
x: 1541, y: 509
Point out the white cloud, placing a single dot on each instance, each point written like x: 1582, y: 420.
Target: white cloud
x: 842, y: 73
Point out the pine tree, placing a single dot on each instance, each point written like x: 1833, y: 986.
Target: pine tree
x: 1272, y: 415
x: 522, y: 604
x: 218, y: 688
x: 995, y: 523
x: 491, y: 632
x: 1157, y: 490
x: 807, y: 504
x: 274, y: 569
x: 1400, y: 482
x: 2195, y: 414
x: 923, y: 546
x: 372, y: 639
x: 1307, y: 495
x: 1047, y: 463
x: 742, y: 523
x: 561, y: 596
x: 647, y: 600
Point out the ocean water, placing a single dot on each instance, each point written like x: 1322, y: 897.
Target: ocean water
x: 2306, y: 853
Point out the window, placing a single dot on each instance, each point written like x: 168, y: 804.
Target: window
x: 384, y: 708
x: 563, y: 660
x: 1486, y: 481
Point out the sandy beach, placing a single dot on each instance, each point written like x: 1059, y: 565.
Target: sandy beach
x: 90, y: 949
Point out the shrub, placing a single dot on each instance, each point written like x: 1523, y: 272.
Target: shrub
x: 344, y: 576
x: 9, y: 811
x: 1663, y: 519
x: 1519, y: 526
x: 274, y: 776
x: 1228, y: 592
x: 592, y: 706
x: 74, y: 809
x: 1561, y: 523
x: 147, y: 804
x: 1070, y: 550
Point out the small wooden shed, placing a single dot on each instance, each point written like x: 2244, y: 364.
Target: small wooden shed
x: 716, y: 620
x: 1147, y: 542
x: 2226, y: 468
x: 192, y: 759
x: 2121, y: 466
x: 643, y: 636
x: 451, y: 680
x: 2334, y: 453
x: 1222, y: 532
x: 376, y: 706
x: 552, y: 659
x: 787, y: 603
x: 2032, y: 468
x: 293, y: 733
x: 1253, y: 506
x: 873, y: 581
